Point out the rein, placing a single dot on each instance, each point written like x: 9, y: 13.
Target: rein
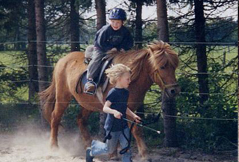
x: 124, y: 150
x: 108, y: 136
x: 143, y: 125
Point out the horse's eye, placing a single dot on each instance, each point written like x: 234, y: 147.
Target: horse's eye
x: 162, y: 67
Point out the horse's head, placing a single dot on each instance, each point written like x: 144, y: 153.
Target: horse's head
x: 164, y: 62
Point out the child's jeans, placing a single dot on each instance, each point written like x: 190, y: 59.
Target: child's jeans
x: 100, y: 148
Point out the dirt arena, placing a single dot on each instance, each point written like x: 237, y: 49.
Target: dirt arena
x: 31, y: 145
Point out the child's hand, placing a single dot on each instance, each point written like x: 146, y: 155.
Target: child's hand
x: 122, y: 50
x: 117, y: 114
x: 137, y: 119
x: 113, y: 50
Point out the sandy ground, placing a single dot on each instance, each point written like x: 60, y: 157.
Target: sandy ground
x: 32, y: 145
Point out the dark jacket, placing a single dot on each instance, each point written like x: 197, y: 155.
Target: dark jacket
x: 107, y: 38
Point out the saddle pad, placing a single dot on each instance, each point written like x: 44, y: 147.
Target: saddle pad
x: 82, y: 79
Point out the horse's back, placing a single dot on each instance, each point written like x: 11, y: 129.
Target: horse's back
x: 69, y: 68
x: 70, y: 57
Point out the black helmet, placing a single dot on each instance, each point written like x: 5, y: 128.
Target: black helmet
x: 117, y: 14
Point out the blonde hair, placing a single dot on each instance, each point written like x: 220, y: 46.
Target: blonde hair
x: 116, y: 71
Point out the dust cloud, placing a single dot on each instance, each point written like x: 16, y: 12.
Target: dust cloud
x: 31, y: 144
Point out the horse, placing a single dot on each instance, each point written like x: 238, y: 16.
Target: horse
x: 154, y: 64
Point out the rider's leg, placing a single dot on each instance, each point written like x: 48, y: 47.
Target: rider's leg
x: 95, y: 64
x: 93, y: 70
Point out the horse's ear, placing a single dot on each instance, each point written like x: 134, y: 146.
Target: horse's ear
x: 150, y: 52
x: 154, y: 44
x: 155, y: 41
x: 149, y: 46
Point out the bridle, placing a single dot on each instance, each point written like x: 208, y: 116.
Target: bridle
x: 157, y: 79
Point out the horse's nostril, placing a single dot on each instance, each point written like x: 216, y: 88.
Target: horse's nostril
x: 173, y: 91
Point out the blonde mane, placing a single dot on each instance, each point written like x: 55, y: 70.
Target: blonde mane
x: 134, y: 59
x: 158, y: 53
x: 162, y: 55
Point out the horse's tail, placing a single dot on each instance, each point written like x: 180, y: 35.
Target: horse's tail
x: 48, y: 99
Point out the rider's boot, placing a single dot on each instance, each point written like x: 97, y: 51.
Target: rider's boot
x: 90, y: 87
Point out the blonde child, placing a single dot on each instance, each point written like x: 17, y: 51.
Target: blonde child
x: 116, y: 109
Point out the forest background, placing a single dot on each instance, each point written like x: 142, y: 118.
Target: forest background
x: 34, y: 35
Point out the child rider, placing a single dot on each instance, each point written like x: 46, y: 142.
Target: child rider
x: 114, y: 36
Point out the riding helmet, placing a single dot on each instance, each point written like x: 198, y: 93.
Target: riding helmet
x: 117, y: 14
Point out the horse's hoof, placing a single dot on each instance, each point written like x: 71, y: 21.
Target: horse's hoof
x: 146, y: 160
x: 113, y: 156
x: 54, y: 147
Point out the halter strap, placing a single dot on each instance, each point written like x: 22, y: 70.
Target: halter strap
x: 157, y: 78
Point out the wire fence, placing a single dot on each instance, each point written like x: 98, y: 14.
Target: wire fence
x: 143, y: 42
x: 179, y: 73
x: 188, y: 116
x: 182, y: 93
x: 226, y: 48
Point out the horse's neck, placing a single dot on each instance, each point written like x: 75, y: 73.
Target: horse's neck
x: 139, y: 64
x: 143, y: 82
x: 138, y: 89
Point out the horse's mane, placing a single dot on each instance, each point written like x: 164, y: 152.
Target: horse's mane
x: 134, y: 59
x: 158, y: 53
x: 163, y: 55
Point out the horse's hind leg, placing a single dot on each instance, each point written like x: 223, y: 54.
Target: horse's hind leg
x: 62, y: 101
x: 82, y: 123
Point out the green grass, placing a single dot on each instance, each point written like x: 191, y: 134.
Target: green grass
x: 9, y: 58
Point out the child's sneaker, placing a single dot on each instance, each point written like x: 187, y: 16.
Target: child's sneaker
x: 88, y: 157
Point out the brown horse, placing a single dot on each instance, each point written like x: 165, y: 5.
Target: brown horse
x: 155, y: 64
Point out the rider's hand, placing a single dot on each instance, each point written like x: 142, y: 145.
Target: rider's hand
x: 137, y: 119
x: 122, y: 50
x: 113, y: 50
x: 117, y: 114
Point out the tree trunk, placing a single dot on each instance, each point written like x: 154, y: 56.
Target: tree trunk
x: 32, y: 52
x: 169, y: 110
x: 201, y: 51
x: 41, y: 44
x: 101, y: 21
x: 100, y: 11
x: 41, y: 50
x: 74, y: 25
x: 168, y: 105
x: 162, y: 21
x: 138, y: 24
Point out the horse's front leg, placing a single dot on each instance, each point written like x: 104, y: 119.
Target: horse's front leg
x: 137, y: 133
x: 55, y: 121
x: 82, y: 123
